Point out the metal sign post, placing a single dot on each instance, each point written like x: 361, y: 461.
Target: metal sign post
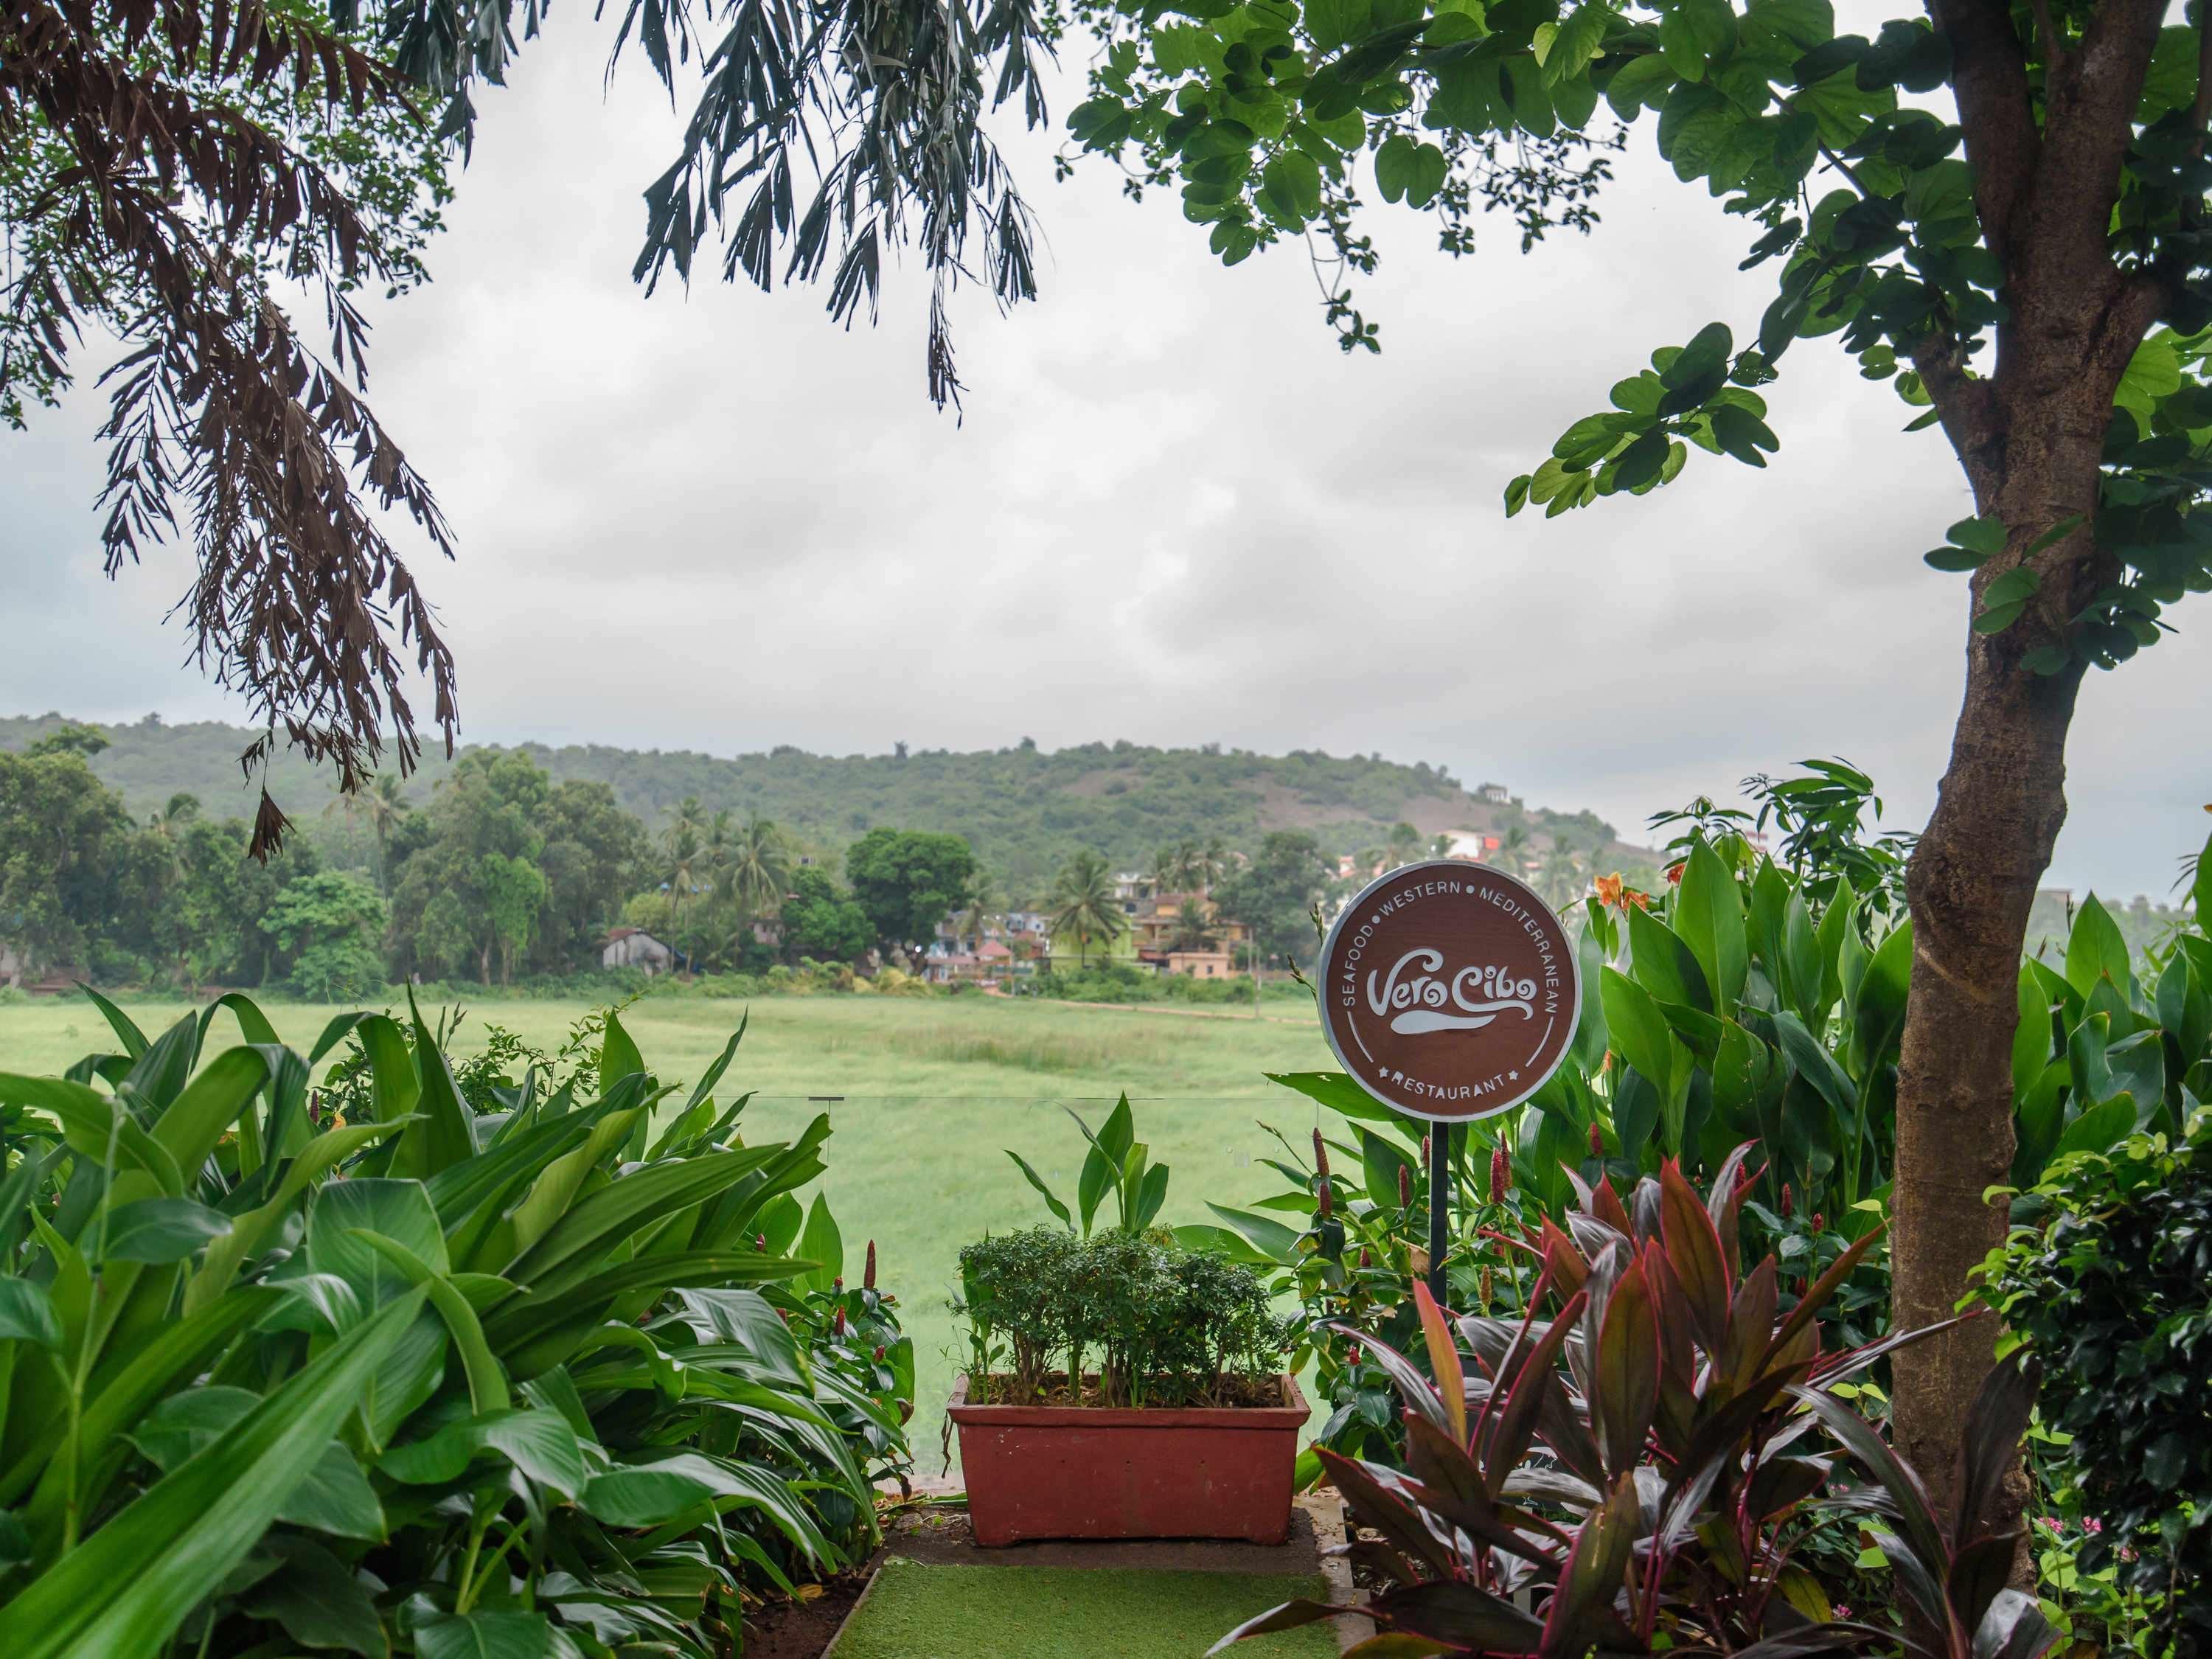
x: 1449, y: 992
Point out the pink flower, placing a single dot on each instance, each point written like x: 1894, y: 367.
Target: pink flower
x: 1842, y: 1610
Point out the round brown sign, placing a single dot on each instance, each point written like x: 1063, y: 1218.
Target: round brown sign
x: 1449, y: 990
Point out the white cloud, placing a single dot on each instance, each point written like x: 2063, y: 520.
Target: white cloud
x: 1175, y: 513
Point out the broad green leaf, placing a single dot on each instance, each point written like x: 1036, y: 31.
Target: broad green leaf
x: 127, y: 1588
x: 26, y: 1314
x: 822, y: 1242
x: 1708, y: 912
x: 335, y: 1497
x: 2096, y: 949
x: 157, y: 1230
x: 1637, y: 1029
x: 1272, y: 1239
x: 500, y: 1635
x: 398, y: 1210
x: 318, y: 1599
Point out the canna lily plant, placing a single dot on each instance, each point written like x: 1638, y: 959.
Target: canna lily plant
x: 1629, y: 1475
x: 545, y: 1382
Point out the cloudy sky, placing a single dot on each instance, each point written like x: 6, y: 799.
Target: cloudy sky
x: 1175, y: 513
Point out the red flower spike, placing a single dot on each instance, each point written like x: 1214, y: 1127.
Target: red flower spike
x: 1324, y: 1196
x: 837, y: 1323
x: 1501, y: 1175
x: 1789, y: 1202
x: 879, y: 1353
x: 837, y: 1285
x: 1405, y: 1187
x: 1597, y: 1141
x: 1365, y: 1260
x: 868, y: 1278
x: 1820, y: 1221
x: 760, y: 1241
x: 1320, y: 1155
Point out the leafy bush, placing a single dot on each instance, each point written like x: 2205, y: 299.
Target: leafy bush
x: 1633, y: 1474
x: 1117, y: 1163
x: 1168, y: 1327
x: 538, y: 1382
x: 2108, y: 1280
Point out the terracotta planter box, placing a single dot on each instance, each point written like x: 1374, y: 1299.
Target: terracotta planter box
x: 1069, y: 1472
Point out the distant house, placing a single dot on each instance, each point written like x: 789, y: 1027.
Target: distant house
x: 1157, y: 921
x: 1200, y: 964
x: 633, y: 947
x: 1496, y: 793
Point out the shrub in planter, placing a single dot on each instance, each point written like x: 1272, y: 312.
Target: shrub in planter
x: 1631, y: 1474
x: 1163, y: 1327
x: 1120, y: 1386
x: 543, y: 1381
x: 2108, y: 1280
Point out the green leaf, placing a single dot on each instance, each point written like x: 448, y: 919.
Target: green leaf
x: 26, y: 1314
x: 540, y: 1443
x: 1639, y: 1031
x: 157, y: 1231
x: 343, y: 1211
x: 2096, y: 949
x: 1954, y: 559
x: 2015, y: 585
x: 1663, y: 963
x: 503, y: 1635
x: 1984, y: 535
x: 127, y: 1588
x: 318, y: 1599
x: 2099, y: 1128
x: 1708, y: 912
x: 1272, y: 1239
x: 1290, y: 187
x: 821, y: 1242
x: 618, y: 1055
x: 1036, y: 1181
x: 1640, y: 83
x: 1742, y: 434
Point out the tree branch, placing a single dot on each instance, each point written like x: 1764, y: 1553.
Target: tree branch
x: 1989, y: 79
x: 1962, y: 402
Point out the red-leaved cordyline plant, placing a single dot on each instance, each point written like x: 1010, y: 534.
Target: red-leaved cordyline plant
x: 1631, y: 1476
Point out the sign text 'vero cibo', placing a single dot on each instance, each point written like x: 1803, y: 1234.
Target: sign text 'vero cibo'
x: 1449, y: 990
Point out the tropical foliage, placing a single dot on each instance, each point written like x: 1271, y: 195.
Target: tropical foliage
x: 1748, y: 1000
x: 1636, y: 1472
x: 566, y: 1377
x: 2107, y: 1280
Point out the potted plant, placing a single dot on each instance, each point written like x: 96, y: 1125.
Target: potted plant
x: 1120, y: 1386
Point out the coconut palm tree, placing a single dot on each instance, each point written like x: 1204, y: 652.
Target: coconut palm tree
x: 760, y: 864
x: 1513, y: 848
x: 977, y: 909
x: 1193, y: 928
x: 1085, y: 904
x: 381, y: 806
x: 685, y: 861
x: 1562, y: 879
x: 1212, y: 863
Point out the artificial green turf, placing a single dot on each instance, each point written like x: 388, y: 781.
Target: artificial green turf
x: 917, y: 1612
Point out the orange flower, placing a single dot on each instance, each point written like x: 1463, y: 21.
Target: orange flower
x: 1675, y: 875
x: 1610, y: 888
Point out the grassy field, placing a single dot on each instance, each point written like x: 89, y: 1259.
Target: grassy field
x: 922, y: 1093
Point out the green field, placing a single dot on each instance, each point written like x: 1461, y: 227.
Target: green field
x: 922, y: 1093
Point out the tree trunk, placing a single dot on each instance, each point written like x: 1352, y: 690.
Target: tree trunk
x: 1971, y: 883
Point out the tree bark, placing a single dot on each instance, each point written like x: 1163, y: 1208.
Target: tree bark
x: 2035, y: 437
x: 1971, y: 883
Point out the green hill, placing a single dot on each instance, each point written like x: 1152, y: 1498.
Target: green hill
x: 1024, y: 809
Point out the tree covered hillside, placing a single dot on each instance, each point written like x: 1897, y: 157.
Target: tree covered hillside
x: 1024, y: 810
